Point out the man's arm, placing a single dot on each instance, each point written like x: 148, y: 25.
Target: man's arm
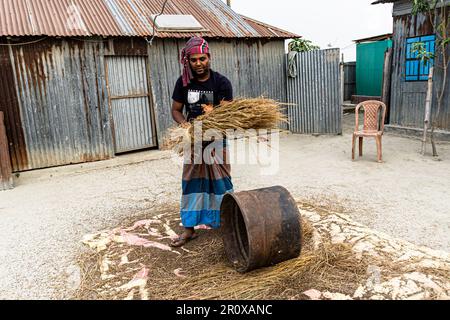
x: 226, y: 90
x: 177, y: 112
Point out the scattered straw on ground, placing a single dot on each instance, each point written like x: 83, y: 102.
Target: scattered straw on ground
x: 133, y: 262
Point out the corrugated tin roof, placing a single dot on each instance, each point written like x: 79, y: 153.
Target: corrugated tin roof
x: 384, y: 1
x: 375, y: 38
x: 124, y: 18
x: 269, y: 31
x: 393, y: 1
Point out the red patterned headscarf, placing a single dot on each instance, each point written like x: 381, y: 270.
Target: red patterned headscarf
x: 195, y: 45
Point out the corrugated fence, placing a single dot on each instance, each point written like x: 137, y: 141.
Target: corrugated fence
x: 315, y: 93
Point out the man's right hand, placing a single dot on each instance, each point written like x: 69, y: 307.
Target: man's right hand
x: 207, y: 108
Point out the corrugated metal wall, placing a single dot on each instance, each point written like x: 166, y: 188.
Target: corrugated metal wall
x: 444, y: 119
x: 62, y: 100
x: 405, y: 6
x: 402, y: 7
x: 316, y: 93
x: 407, y: 107
x: 254, y: 68
x: 9, y: 104
x: 55, y: 97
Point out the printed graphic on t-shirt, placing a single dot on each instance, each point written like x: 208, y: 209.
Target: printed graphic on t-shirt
x: 195, y: 99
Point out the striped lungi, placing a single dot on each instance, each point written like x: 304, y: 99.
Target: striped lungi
x: 204, y: 186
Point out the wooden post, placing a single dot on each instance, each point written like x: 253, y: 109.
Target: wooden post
x: 342, y: 75
x: 6, y: 180
x: 427, y: 110
x: 342, y: 89
x: 386, y: 92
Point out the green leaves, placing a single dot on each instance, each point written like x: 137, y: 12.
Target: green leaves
x: 302, y: 45
x: 445, y: 42
x: 428, y: 7
x: 419, y: 50
x: 423, y: 6
x: 420, y: 6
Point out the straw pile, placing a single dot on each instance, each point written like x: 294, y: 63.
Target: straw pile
x: 200, y: 270
x: 240, y: 114
x: 207, y: 273
x: 331, y: 267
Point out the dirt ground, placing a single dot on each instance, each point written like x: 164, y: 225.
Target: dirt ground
x: 340, y: 260
x: 45, y: 217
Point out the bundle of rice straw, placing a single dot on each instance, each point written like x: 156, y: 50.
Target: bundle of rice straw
x: 255, y: 113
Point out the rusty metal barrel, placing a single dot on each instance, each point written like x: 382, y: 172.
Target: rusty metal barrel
x: 260, y: 228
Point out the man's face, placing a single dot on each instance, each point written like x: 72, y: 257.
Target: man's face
x: 199, y: 63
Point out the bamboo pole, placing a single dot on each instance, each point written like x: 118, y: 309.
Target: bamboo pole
x: 427, y: 110
x: 6, y: 180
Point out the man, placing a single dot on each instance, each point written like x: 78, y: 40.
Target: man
x: 197, y: 91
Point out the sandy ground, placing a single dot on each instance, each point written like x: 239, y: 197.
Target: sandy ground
x: 45, y: 217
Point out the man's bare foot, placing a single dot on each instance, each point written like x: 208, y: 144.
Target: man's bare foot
x: 186, y: 236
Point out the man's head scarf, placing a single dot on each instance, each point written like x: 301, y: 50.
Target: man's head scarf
x: 195, y: 45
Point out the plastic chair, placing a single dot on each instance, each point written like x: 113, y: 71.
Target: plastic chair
x: 372, y: 125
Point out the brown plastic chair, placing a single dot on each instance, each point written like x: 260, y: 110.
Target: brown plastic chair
x: 372, y: 125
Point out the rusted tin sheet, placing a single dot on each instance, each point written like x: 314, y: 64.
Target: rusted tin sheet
x: 125, y: 18
x: 6, y: 180
x: 126, y: 47
x: 9, y: 104
x: 63, y: 103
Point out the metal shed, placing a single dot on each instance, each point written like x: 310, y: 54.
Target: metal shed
x: 408, y: 94
x: 80, y: 81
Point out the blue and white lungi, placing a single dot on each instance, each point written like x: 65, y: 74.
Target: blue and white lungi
x: 204, y: 186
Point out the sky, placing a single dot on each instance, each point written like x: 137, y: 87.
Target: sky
x: 327, y: 23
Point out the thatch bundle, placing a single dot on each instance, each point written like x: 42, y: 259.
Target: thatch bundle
x: 239, y: 114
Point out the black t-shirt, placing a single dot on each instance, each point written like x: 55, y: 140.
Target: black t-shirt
x: 212, y: 91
